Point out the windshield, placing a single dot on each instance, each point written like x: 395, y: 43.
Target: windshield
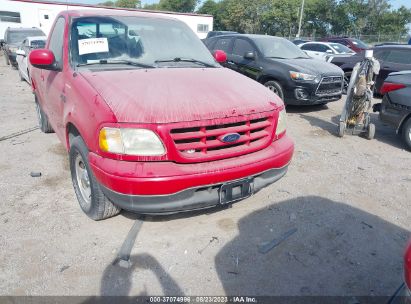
x: 146, y: 41
x: 341, y: 49
x: 19, y: 36
x: 359, y: 43
x: 276, y: 47
x: 38, y: 44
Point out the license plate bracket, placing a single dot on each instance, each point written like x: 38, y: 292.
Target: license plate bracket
x: 235, y: 191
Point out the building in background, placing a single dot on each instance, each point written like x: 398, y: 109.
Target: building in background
x: 41, y: 14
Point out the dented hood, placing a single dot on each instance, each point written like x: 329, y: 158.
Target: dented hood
x: 166, y: 95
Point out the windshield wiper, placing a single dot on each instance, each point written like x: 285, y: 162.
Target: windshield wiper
x: 178, y: 59
x: 127, y: 62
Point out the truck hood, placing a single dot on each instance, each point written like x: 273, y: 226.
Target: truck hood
x: 311, y: 66
x: 166, y: 95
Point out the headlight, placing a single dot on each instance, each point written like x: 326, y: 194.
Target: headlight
x: 282, y: 122
x: 301, y: 76
x: 140, y: 142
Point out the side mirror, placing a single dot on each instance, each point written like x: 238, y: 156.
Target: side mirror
x: 21, y: 52
x: 220, y: 56
x: 43, y: 59
x: 249, y: 55
x: 329, y: 51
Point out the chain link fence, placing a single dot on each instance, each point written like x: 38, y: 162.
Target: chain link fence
x: 369, y: 39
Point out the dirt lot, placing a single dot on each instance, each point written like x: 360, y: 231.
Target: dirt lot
x: 349, y: 198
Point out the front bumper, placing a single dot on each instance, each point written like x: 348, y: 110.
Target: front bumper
x: 187, y: 200
x: 153, y: 187
x: 293, y: 94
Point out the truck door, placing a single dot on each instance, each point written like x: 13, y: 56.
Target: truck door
x: 54, y: 81
x: 245, y: 64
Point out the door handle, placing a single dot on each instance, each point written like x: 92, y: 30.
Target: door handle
x: 230, y: 62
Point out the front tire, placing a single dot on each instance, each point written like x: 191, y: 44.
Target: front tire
x: 91, y: 198
x: 275, y: 87
x: 43, y: 121
x: 21, y: 75
x: 406, y: 133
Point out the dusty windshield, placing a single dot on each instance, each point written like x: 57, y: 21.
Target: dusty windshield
x: 275, y: 47
x: 140, y: 41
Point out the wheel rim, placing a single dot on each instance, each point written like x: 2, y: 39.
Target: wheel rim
x: 83, y: 180
x: 39, y: 116
x: 409, y: 134
x: 275, y: 90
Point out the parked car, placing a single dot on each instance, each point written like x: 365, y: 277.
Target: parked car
x: 152, y: 122
x: 282, y: 67
x: 354, y: 44
x: 13, y: 37
x: 392, y: 58
x: 395, y: 108
x: 322, y: 50
x: 24, y: 50
x: 403, y: 293
x: 218, y: 33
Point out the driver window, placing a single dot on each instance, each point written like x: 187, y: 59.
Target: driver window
x: 56, y: 41
x: 308, y: 47
x: 241, y: 47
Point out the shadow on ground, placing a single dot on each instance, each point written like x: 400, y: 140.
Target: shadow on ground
x: 384, y: 133
x: 337, y: 250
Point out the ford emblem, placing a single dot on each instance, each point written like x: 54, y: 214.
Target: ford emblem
x: 229, y: 138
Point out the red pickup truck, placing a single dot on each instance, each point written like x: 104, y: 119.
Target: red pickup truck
x: 152, y: 122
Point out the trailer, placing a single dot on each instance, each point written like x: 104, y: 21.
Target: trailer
x: 41, y: 14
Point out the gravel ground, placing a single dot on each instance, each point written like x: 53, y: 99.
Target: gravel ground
x: 349, y: 200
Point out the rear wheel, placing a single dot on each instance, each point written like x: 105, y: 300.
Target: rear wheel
x: 275, y: 87
x: 370, y: 131
x: 406, y: 133
x: 21, y: 75
x: 7, y: 59
x: 43, y: 121
x: 91, y: 198
x: 341, y: 129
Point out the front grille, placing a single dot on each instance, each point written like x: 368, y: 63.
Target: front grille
x: 331, y: 85
x: 203, y: 141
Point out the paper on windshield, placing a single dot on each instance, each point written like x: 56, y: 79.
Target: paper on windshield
x: 92, y: 45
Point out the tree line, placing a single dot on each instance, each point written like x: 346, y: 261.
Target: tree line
x: 280, y: 17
